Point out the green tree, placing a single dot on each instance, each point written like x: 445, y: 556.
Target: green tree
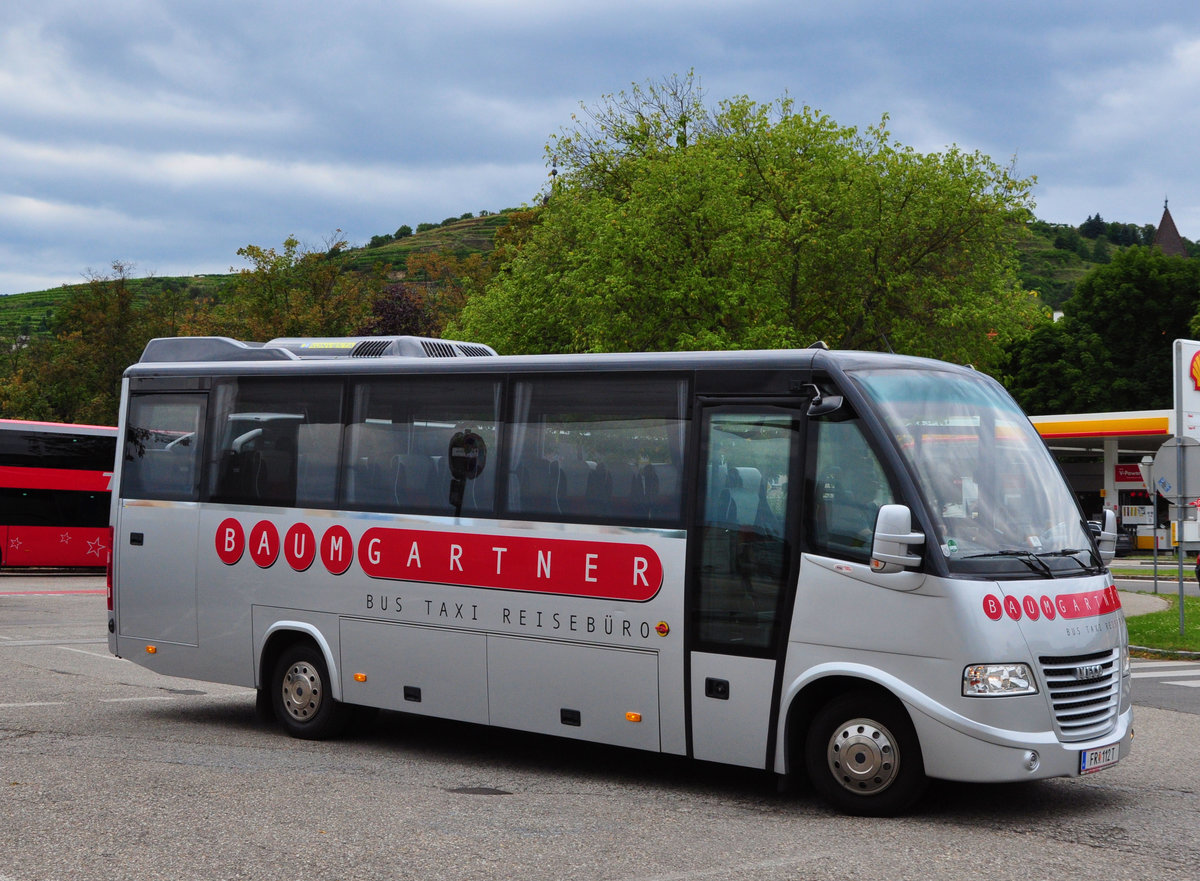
x: 448, y: 281
x: 670, y: 226
x: 1093, y: 227
x: 397, y: 310
x: 291, y: 292
x: 165, y: 309
x: 76, y: 375
x: 1112, y: 348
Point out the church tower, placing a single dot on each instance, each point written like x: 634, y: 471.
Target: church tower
x: 1167, y: 236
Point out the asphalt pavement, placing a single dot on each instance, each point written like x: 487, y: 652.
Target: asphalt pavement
x: 1164, y: 576
x: 1141, y: 603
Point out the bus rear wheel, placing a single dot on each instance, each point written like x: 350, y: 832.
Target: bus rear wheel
x: 862, y: 755
x: 300, y: 694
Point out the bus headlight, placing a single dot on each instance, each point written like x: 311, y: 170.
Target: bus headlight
x: 997, y: 680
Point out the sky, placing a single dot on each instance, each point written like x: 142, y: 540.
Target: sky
x: 167, y: 134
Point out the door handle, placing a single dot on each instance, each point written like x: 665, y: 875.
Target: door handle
x: 717, y: 689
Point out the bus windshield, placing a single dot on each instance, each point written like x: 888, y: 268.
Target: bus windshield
x: 992, y: 489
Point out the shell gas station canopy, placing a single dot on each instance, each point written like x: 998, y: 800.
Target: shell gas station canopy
x: 1106, y: 456
x: 1101, y: 455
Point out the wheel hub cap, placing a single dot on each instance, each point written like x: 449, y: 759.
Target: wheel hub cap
x: 862, y: 757
x: 302, y: 691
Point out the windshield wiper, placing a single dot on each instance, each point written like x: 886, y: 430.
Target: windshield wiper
x: 1029, y: 558
x: 1071, y: 553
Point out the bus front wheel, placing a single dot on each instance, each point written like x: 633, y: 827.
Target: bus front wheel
x: 300, y: 694
x: 862, y: 755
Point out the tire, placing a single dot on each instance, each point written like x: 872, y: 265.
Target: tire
x: 264, y: 709
x: 862, y: 755
x: 300, y: 694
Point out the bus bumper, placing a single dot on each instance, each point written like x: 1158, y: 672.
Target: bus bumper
x: 992, y: 755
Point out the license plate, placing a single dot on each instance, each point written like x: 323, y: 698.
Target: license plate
x: 1095, y: 759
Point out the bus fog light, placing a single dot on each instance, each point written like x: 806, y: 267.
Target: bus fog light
x: 997, y: 680
x: 1032, y: 760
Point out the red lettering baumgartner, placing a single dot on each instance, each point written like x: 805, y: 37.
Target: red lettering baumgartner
x: 608, y: 570
x: 611, y: 570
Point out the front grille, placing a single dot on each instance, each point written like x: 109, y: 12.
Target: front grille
x: 1085, y: 691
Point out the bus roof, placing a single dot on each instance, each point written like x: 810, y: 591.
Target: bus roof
x: 56, y: 427
x: 221, y: 355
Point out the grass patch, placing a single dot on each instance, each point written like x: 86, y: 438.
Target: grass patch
x: 1159, y: 631
x: 1168, y: 572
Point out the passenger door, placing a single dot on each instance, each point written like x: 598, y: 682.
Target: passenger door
x: 741, y: 574
x: 154, y: 553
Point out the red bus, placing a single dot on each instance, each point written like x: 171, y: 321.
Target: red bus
x: 54, y: 494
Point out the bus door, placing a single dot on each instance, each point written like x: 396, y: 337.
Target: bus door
x: 158, y: 517
x: 741, y: 573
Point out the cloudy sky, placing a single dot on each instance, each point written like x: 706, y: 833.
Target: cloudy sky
x: 166, y: 134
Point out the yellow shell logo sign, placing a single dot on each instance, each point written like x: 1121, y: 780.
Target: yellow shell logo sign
x: 1194, y: 370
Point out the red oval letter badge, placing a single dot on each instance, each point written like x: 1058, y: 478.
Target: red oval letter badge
x: 230, y: 541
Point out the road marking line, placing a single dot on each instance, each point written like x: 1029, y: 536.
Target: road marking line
x: 51, y: 593
x: 105, y: 700
x: 1190, y: 683
x: 67, y: 648
x: 1159, y: 674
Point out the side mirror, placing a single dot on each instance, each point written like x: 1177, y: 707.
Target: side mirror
x: 893, y: 535
x: 1106, y: 541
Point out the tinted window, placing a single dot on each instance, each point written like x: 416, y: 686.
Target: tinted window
x: 398, y: 443
x: 45, y: 449
x: 598, y: 448
x: 744, y: 559
x: 275, y: 442
x: 40, y: 507
x: 849, y: 486
x: 161, y: 449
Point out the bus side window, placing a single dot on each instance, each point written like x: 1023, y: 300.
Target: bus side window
x: 608, y: 450
x: 847, y: 487
x: 318, y: 447
x: 745, y: 546
x: 269, y: 435
x: 161, y: 455
x: 396, y: 454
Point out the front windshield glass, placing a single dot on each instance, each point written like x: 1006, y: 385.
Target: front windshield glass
x: 996, y: 497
